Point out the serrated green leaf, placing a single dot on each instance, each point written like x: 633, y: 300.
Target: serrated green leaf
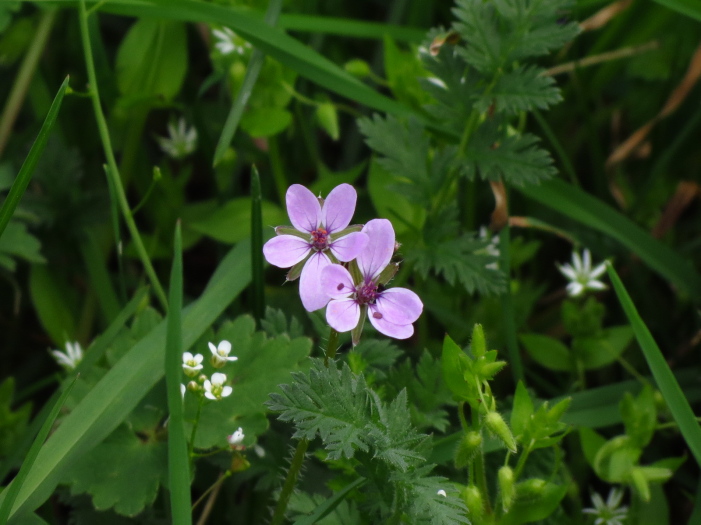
x: 263, y: 363
x: 548, y: 352
x: 515, y: 159
x: 123, y: 472
x: 522, y: 89
x: 404, y: 214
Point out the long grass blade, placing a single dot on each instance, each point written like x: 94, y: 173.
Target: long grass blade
x: 20, y: 184
x: 664, y: 377
x: 92, y: 355
x: 353, y: 28
x: 13, y: 489
x: 257, y: 246
x: 251, y: 26
x: 690, y: 8
x: 178, y: 460
x: 99, y: 276
x: 590, y: 211
x: 252, y: 71
x: 121, y: 389
x: 327, y: 506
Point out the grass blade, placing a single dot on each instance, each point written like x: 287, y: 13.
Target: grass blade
x: 252, y: 72
x: 121, y: 389
x: 257, y: 246
x: 353, y: 28
x: 592, y: 212
x: 13, y: 489
x: 178, y: 460
x: 666, y: 382
x: 92, y: 355
x: 20, y: 184
x: 327, y: 506
x: 287, y: 50
x: 690, y: 8
x: 99, y: 276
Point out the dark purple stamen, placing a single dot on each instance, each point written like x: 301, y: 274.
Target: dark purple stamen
x: 320, y: 239
x: 367, y: 293
x: 377, y: 315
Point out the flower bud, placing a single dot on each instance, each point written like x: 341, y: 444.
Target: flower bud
x: 216, y: 361
x: 479, y: 345
x: 497, y: 426
x: 506, y: 485
x: 468, y: 446
x: 193, y: 386
x: 473, y: 500
x: 531, y: 489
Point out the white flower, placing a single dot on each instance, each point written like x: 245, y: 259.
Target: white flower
x: 191, y: 364
x: 181, y: 140
x: 442, y: 493
x: 608, y: 513
x: 236, y: 439
x: 492, y: 248
x: 71, y: 357
x: 260, y: 451
x: 215, y: 388
x: 220, y: 354
x: 581, y: 275
x: 229, y: 42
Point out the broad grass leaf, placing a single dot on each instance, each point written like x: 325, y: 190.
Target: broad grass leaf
x: 548, y: 352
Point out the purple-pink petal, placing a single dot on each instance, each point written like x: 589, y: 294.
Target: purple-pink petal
x: 310, y: 291
x: 343, y: 314
x: 285, y: 251
x: 336, y: 282
x: 339, y: 207
x: 303, y: 208
x: 399, y: 306
x: 398, y: 331
x: 349, y: 246
x: 378, y: 252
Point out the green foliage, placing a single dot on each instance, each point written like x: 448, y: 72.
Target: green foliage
x: 123, y: 472
x: 263, y: 363
x: 426, y: 391
x: 353, y: 422
x: 13, y: 423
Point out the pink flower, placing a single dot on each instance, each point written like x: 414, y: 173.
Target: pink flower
x: 391, y: 311
x: 320, y: 238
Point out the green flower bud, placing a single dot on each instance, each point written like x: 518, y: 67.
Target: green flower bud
x: 531, y: 489
x: 468, y: 446
x: 479, y: 345
x: 506, y: 485
x: 472, y: 497
x: 357, y: 68
x: 497, y: 426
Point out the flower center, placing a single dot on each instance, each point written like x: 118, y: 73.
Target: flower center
x: 367, y: 293
x: 320, y: 239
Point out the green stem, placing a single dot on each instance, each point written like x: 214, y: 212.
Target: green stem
x: 480, y: 476
x: 298, y: 458
x: 191, y: 446
x: 521, y: 462
x: 24, y: 76
x: 113, y: 171
x: 277, y: 168
x: 331, y: 347
x: 507, y: 308
x: 290, y: 482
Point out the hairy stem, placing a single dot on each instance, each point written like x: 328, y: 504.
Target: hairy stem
x: 112, y: 170
x: 290, y: 482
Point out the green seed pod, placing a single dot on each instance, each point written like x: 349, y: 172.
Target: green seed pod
x: 531, y: 489
x: 479, y: 345
x: 497, y: 426
x: 506, y: 485
x: 472, y: 497
x: 468, y: 446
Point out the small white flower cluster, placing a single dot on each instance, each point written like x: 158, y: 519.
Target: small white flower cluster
x: 609, y: 512
x: 581, y: 275
x: 70, y: 358
x: 228, y: 42
x: 181, y: 140
x: 213, y: 388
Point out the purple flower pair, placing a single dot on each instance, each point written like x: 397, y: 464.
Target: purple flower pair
x: 320, y: 239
